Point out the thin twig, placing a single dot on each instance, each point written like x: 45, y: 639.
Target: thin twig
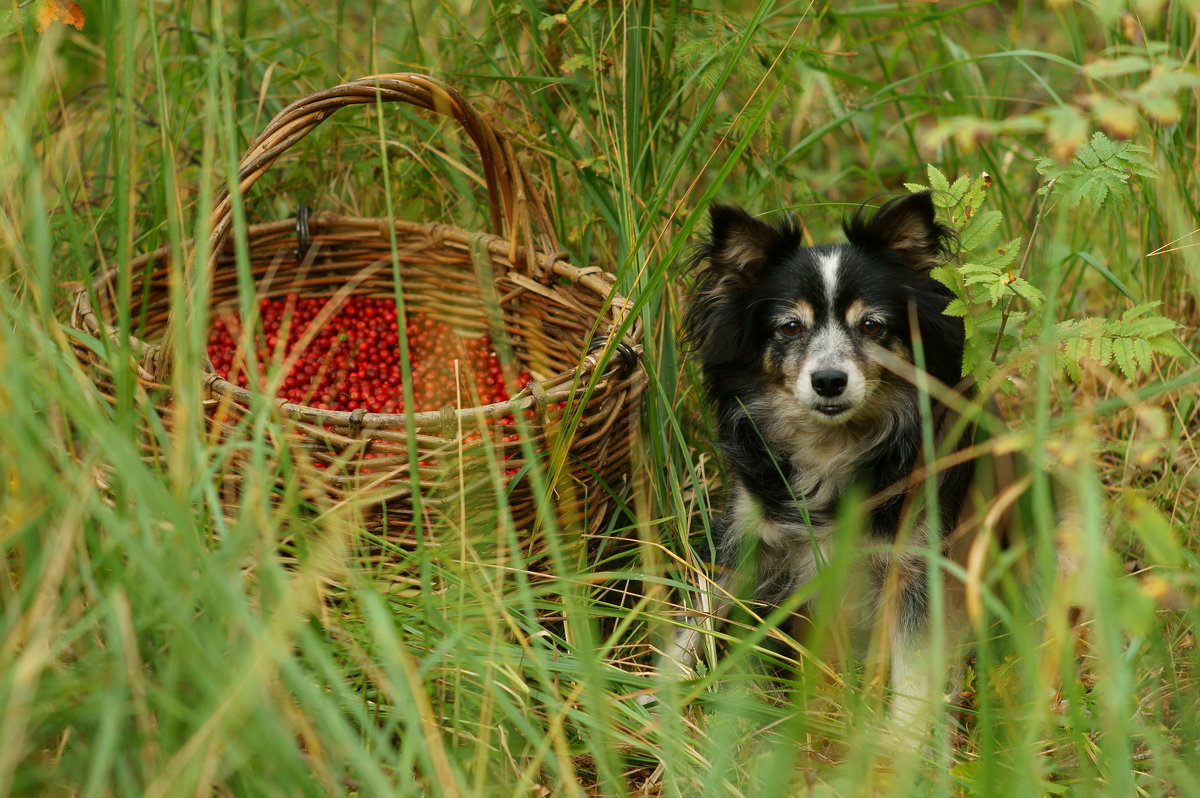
x: 1037, y: 223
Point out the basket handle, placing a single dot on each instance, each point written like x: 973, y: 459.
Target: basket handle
x: 517, y: 211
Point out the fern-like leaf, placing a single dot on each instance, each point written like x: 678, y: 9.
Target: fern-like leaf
x: 1099, y: 173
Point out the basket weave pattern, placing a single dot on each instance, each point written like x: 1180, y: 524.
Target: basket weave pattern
x: 512, y: 283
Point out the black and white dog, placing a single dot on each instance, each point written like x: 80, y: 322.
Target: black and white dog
x: 808, y: 357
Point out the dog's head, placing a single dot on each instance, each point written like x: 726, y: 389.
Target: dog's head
x: 816, y: 324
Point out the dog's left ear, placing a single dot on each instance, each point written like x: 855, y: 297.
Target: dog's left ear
x: 742, y: 245
x: 906, y: 226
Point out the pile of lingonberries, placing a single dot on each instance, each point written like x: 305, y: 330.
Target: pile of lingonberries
x: 354, y: 361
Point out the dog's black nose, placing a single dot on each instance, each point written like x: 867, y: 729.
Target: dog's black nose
x: 829, y: 382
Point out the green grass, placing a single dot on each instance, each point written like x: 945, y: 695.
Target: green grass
x: 152, y: 645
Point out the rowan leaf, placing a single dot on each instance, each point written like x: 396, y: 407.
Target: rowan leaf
x: 1102, y: 351
x: 1029, y: 292
x: 979, y: 228
x: 64, y: 11
x: 946, y: 275
x: 1170, y: 82
x: 937, y: 180
x: 1149, y: 328
x: 1123, y: 354
x: 1002, y: 256
x: 1066, y: 129
x: 957, y: 307
x: 1118, y: 118
x: 1142, y: 352
x: 1167, y: 345
x: 959, y: 188
x: 1074, y: 351
x: 1163, y: 110
x: 1099, y: 173
x: 1116, y: 67
x: 1139, y: 310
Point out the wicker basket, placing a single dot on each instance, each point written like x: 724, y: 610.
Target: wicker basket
x: 563, y: 324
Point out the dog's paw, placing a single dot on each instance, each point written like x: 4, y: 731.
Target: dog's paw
x: 650, y: 702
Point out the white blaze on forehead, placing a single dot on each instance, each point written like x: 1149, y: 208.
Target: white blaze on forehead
x: 828, y: 264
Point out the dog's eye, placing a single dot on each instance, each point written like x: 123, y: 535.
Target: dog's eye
x: 872, y: 328
x: 791, y: 328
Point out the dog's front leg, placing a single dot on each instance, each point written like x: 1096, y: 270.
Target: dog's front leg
x: 924, y: 673
x: 915, y: 685
x: 679, y: 656
x: 684, y: 649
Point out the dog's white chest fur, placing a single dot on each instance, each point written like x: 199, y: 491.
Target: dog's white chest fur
x: 824, y: 466
x: 824, y: 459
x: 825, y: 462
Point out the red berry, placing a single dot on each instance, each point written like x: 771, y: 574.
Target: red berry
x: 355, y: 360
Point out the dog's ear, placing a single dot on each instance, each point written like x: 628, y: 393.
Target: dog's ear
x: 906, y: 226
x: 740, y: 244
x: 738, y: 249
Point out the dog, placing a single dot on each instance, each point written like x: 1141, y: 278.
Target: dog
x: 809, y: 359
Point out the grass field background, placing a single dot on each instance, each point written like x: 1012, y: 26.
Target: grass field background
x: 149, y: 646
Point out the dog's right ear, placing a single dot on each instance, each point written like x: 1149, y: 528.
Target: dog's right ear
x: 738, y: 248
x: 740, y: 244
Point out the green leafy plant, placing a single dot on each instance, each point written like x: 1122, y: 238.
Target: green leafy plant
x: 984, y: 281
x: 1129, y: 341
x: 1002, y: 310
x: 1099, y: 174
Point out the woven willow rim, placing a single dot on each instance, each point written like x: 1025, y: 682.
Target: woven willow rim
x: 522, y: 233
